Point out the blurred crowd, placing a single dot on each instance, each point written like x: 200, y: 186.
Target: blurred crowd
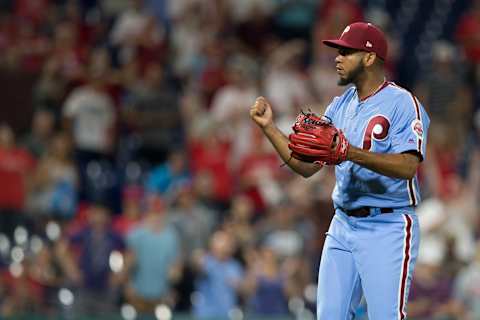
x: 142, y: 186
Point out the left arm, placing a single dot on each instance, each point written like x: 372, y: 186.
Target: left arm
x: 395, y: 165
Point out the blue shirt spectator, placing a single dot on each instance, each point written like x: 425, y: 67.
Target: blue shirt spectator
x: 155, y: 253
x: 269, y: 297
x: 169, y: 177
x: 96, y: 242
x: 220, y: 276
x: 268, y: 286
x: 216, y: 288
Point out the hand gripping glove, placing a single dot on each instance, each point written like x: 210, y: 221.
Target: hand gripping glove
x: 315, y: 139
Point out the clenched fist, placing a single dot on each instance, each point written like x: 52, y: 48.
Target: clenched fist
x: 261, y: 112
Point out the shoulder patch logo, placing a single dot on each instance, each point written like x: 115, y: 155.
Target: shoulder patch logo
x: 417, y: 128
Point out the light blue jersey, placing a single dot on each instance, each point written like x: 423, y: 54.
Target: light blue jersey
x: 392, y: 120
x: 373, y: 256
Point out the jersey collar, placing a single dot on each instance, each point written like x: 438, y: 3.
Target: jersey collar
x: 383, y: 85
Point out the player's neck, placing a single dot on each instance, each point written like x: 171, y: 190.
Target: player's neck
x: 368, y: 86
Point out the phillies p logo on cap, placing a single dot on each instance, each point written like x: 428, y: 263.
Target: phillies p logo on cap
x: 361, y: 36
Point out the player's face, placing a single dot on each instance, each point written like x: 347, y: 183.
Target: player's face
x: 349, y: 65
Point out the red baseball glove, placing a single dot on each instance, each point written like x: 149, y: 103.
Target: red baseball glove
x: 316, y: 139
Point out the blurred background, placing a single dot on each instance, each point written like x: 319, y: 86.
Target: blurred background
x: 135, y: 186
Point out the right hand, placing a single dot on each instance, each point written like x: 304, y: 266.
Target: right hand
x: 261, y: 112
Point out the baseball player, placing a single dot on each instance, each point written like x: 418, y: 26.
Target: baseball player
x: 375, y: 135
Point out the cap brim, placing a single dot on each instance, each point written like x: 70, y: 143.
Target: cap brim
x: 337, y: 44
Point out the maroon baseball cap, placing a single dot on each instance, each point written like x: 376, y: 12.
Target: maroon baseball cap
x: 362, y: 36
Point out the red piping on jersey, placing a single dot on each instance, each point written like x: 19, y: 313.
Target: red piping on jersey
x: 417, y: 113
x: 406, y: 262
x: 383, y: 85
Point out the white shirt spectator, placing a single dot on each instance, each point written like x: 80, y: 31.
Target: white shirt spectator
x: 187, y: 39
x: 437, y: 224
x: 178, y: 8
x: 467, y: 288
x: 242, y: 11
x: 129, y: 26
x: 93, y: 116
x: 286, y: 84
x: 229, y: 107
x: 287, y: 91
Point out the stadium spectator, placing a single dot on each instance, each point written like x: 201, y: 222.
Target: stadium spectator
x: 279, y: 231
x: 285, y: 81
x: 212, y: 154
x: 132, y: 210
x: 151, y: 112
x: 445, y: 92
x: 88, y: 251
x: 37, y: 139
x: 49, y: 90
x: 219, y: 278
x: 467, y: 285
x: 90, y: 116
x: 167, y: 178
x: 239, y: 223
x: 194, y: 222
x: 266, y: 285
x: 16, y: 167
x: 431, y: 294
x: 54, y: 186
x: 153, y: 252
x: 21, y: 294
x: 228, y: 105
x: 467, y: 33
x: 68, y: 52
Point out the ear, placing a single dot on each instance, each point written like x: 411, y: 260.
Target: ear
x: 369, y: 58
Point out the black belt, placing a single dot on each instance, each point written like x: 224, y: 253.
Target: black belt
x: 364, y: 211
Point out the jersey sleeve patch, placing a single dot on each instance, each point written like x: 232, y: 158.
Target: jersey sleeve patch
x: 417, y: 128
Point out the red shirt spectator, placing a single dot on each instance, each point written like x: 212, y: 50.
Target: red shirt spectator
x: 334, y: 15
x: 468, y: 33
x: 15, y: 165
x: 20, y: 292
x: 212, y: 155
x: 351, y: 9
x: 131, y: 210
x: 33, y: 11
x: 67, y: 50
x: 213, y: 75
x: 258, y: 171
x: 30, y: 48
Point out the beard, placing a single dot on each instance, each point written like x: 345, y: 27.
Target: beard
x: 352, y: 76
